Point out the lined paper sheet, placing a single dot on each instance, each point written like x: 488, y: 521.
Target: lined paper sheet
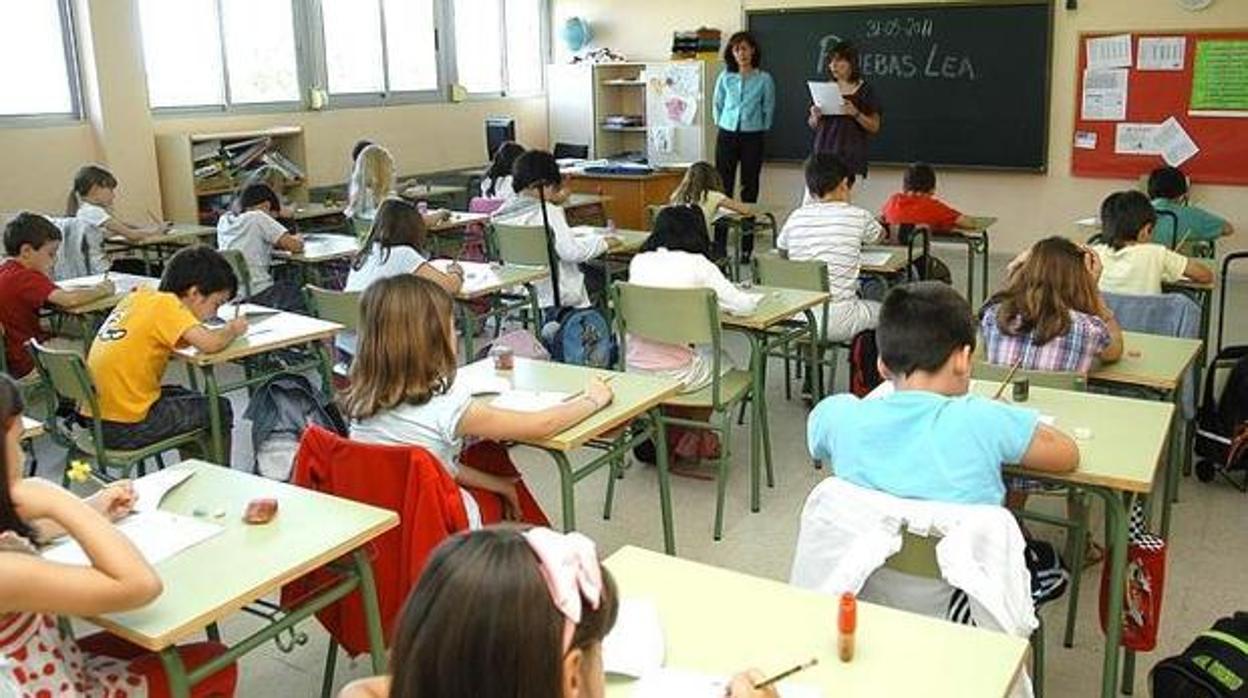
x: 159, y: 535
x: 529, y: 400
x: 635, y: 646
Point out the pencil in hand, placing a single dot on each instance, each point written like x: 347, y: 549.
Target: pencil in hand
x: 1008, y: 377
x: 787, y: 673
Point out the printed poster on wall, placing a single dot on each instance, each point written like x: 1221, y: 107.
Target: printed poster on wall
x: 1220, y: 78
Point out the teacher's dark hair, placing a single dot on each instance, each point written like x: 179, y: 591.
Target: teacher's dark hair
x: 738, y: 38
x: 843, y: 50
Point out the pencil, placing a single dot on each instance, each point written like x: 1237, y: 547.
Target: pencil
x: 787, y: 673
x: 1179, y: 245
x: 1008, y: 376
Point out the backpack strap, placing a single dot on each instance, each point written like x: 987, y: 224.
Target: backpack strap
x: 551, y: 254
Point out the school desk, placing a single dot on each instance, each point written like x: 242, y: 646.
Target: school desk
x: 440, y: 193
x: 31, y: 428
x: 586, y: 209
x: 492, y: 281
x: 281, y: 330
x: 630, y: 193
x: 158, y: 248
x: 223, y: 575
x: 778, y: 306
x: 92, y: 315
x: 1118, y: 462
x: 319, y: 248
x: 975, y: 237
x: 895, y: 264
x: 1157, y: 364
x: 720, y: 622
x: 636, y: 401
x: 448, y: 235
x: 316, y: 216
x: 761, y: 222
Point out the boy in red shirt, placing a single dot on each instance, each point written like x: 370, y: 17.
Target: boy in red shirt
x: 917, y: 203
x: 31, y: 242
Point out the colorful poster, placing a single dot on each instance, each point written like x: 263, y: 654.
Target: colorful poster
x: 1220, y: 76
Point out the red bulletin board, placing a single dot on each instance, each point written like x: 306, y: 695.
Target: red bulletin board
x: 1152, y: 97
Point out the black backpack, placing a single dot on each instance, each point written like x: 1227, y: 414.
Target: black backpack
x: 1215, y: 665
x: 1222, y: 424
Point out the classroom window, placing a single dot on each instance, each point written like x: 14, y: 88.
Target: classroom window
x: 219, y: 52
x: 479, y: 44
x: 523, y: 23
x: 379, y: 46
x: 36, y: 36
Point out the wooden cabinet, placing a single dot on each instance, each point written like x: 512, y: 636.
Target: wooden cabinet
x: 630, y: 194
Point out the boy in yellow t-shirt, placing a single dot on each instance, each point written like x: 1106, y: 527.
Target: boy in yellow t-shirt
x: 132, y: 348
x: 1131, y: 263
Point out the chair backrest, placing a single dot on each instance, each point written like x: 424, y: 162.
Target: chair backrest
x: 1173, y: 314
x: 917, y: 556
x: 1057, y: 380
x: 806, y: 275
x: 571, y: 150
x: 239, y: 264
x: 521, y: 244
x: 66, y: 374
x: 342, y: 307
x: 668, y: 315
x: 78, y: 254
x: 1171, y: 221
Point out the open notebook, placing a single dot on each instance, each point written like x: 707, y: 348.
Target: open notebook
x: 477, y: 275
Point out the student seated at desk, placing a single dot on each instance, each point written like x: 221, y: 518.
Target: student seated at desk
x: 531, y: 604
x: 35, y: 658
x: 1133, y: 263
x: 1050, y: 316
x: 132, y: 348
x: 1167, y: 187
x: 831, y: 230
x: 31, y: 242
x: 539, y: 193
x: 251, y: 229
x: 403, y: 391
x: 704, y: 188
x: 916, y: 203
x: 372, y: 182
x: 496, y: 184
x: 394, y: 246
x: 91, y: 199
x: 929, y: 439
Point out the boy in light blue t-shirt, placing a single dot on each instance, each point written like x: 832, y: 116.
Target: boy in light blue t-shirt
x: 929, y: 439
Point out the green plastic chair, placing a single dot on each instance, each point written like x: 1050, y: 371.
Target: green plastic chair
x: 66, y: 372
x: 917, y: 558
x: 809, y: 275
x: 689, y: 317
x: 1078, y: 501
x: 342, y: 307
x: 524, y: 245
x: 239, y: 264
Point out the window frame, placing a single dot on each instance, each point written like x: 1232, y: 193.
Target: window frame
x: 73, y: 73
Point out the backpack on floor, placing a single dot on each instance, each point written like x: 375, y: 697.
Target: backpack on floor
x: 1215, y: 665
x: 1222, y: 424
x: 929, y: 268
x: 864, y: 370
x: 280, y: 409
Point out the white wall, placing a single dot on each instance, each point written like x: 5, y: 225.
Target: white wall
x: 1029, y: 205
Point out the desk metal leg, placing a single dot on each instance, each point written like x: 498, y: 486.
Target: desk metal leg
x: 1174, y: 460
x: 216, y: 429
x: 758, y: 364
x: 372, y: 610
x: 983, y: 267
x: 970, y: 271
x: 468, y: 325
x: 175, y: 673
x: 665, y: 487
x: 1116, y: 507
x: 566, y: 485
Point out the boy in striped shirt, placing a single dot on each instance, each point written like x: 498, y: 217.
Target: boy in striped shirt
x: 831, y: 230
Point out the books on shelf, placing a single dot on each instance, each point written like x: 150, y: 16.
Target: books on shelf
x: 289, y: 169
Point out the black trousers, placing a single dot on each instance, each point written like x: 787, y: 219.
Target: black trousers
x: 744, y: 148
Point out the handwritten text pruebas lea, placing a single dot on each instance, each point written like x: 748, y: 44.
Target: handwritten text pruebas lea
x: 935, y: 64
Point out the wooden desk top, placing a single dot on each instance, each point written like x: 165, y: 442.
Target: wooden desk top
x: 578, y: 172
x: 634, y: 395
x: 895, y: 264
x: 124, y: 283
x: 578, y: 200
x: 896, y: 653
x: 1149, y: 361
x: 1128, y: 438
x: 460, y: 219
x: 276, y: 331
x: 214, y: 579
x: 482, y: 279
x: 778, y: 305
x: 303, y: 212
x: 180, y: 234
x: 31, y: 428
x: 321, y: 247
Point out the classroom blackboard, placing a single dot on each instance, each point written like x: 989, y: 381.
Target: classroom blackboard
x: 960, y: 84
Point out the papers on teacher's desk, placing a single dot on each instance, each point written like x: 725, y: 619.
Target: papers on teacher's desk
x: 827, y: 96
x: 159, y: 535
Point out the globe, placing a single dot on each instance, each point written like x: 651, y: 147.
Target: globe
x: 575, y: 33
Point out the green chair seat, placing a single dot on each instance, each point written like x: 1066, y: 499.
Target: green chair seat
x: 85, y: 443
x: 733, y: 386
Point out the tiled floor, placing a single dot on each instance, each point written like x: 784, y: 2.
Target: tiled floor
x: 1208, y: 545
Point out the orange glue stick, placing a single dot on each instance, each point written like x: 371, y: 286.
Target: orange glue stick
x: 846, y: 624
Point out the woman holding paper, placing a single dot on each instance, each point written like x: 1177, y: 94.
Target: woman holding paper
x: 745, y: 98
x: 845, y: 129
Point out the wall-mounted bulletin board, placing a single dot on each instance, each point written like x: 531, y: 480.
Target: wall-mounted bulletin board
x: 1148, y: 98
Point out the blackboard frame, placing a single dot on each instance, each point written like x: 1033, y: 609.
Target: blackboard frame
x: 1051, y: 5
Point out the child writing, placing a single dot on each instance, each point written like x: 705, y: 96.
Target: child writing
x: 831, y: 230
x: 35, y: 658
x: 395, y: 246
x: 1132, y: 263
x: 91, y: 199
x: 1050, y: 316
x: 496, y: 184
x: 704, y: 188
x: 252, y: 229
x: 926, y: 337
x: 128, y: 357
x: 1167, y: 187
x: 539, y: 191
x: 30, y: 243
x: 532, y: 604
x: 403, y: 391
x: 917, y: 204
x: 372, y: 182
